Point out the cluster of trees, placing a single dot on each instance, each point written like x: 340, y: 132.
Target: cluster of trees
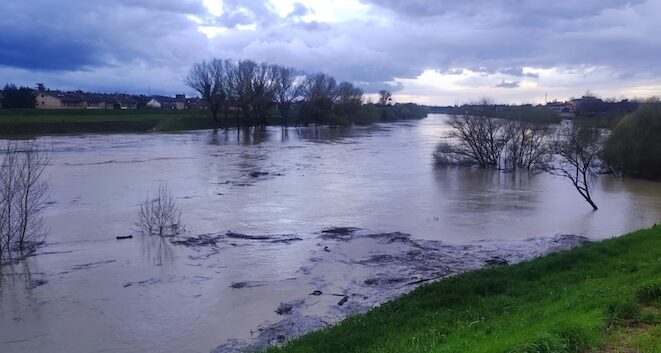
x: 634, y: 146
x: 17, y: 97
x: 23, y: 196
x: 494, y: 143
x: 490, y: 137
x: 570, y: 150
x: 248, y: 92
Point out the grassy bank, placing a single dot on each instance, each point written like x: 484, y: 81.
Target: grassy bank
x: 603, y: 297
x: 36, y: 121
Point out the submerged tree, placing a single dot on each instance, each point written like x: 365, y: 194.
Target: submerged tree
x: 490, y: 142
x: 577, y: 150
x: 319, y: 95
x: 159, y: 214
x: 23, y: 196
x: 287, y: 88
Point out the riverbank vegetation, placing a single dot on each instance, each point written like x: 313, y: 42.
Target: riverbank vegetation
x: 634, y: 147
x: 573, y: 149
x: 602, y: 297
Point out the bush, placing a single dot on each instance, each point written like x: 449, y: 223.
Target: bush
x: 649, y: 293
x: 634, y: 147
x: 160, y: 215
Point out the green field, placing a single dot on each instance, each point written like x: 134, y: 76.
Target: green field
x: 603, y: 297
x: 36, y: 121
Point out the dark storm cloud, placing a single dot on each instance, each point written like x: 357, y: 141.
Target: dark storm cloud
x: 78, y: 35
x: 34, y: 52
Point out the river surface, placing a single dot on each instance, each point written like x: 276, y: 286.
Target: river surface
x: 88, y: 292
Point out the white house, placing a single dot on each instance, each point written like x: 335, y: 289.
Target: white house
x: 154, y: 104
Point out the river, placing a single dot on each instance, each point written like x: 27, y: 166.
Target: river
x: 88, y: 292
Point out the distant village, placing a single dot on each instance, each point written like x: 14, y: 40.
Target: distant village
x: 45, y: 98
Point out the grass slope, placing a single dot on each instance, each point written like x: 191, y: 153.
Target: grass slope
x: 603, y: 297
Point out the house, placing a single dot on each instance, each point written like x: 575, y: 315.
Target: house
x: 564, y: 109
x: 59, y: 100
x: 121, y: 101
x: 47, y: 99
x: 162, y: 102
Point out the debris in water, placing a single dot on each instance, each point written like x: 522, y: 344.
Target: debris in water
x: 343, y: 300
x: 339, y: 233
x: 284, y: 309
x: 496, y: 261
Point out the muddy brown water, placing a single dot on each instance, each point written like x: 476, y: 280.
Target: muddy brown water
x: 88, y: 292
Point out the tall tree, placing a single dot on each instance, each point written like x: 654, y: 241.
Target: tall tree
x: 319, y: 94
x: 287, y: 88
x: 208, y: 79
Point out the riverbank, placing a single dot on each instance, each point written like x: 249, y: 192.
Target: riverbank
x: 40, y: 121
x: 21, y: 122
x: 602, y: 297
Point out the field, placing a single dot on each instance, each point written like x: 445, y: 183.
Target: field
x: 35, y: 121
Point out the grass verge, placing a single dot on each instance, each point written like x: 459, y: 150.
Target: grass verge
x: 603, y: 297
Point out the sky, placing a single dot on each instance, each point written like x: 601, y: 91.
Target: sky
x: 436, y: 52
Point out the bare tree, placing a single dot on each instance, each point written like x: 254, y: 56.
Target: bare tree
x: 287, y: 88
x: 159, y: 214
x: 385, y: 97
x: 528, y: 146
x: 349, y: 97
x: 262, y: 93
x: 577, y: 150
x: 478, y: 140
x: 490, y: 142
x: 211, y: 81
x: 319, y: 93
x: 23, y: 195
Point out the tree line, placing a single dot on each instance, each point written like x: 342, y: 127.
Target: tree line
x: 247, y: 92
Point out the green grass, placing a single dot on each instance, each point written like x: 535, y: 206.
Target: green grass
x: 575, y: 301
x: 38, y: 121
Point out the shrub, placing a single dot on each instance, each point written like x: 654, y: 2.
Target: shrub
x: 634, y: 147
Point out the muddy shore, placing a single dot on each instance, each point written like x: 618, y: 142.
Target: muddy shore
x: 352, y: 270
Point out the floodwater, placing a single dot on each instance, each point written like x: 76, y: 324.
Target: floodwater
x: 88, y: 292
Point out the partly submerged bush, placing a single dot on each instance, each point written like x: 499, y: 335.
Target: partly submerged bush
x: 634, y: 147
x: 159, y: 214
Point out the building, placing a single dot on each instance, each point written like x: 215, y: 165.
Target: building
x: 47, y: 99
x: 564, y: 109
x: 162, y: 102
